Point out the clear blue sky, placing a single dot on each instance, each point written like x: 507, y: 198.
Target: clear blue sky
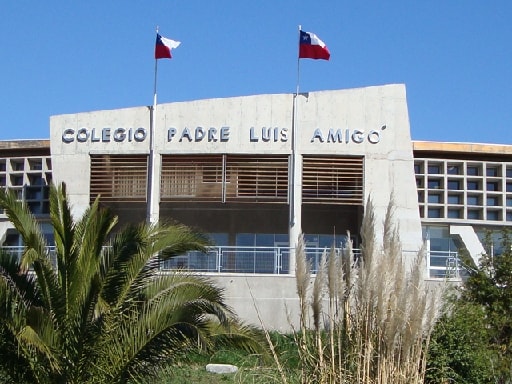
x: 454, y: 56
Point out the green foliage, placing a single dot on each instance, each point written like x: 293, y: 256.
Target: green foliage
x: 103, y: 313
x: 473, y: 342
x: 459, y: 350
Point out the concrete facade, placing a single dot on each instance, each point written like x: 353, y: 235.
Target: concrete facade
x: 445, y: 194
x: 371, y: 123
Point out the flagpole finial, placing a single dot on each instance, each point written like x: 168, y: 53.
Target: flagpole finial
x: 157, y: 29
x: 300, y: 27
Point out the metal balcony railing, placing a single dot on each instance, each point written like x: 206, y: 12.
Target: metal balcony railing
x: 275, y: 260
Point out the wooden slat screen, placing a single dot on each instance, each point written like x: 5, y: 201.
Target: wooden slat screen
x: 224, y: 178
x: 189, y: 177
x: 257, y: 179
x: 332, y: 180
x: 119, y: 177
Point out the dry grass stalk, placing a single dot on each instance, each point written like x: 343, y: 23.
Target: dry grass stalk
x: 379, y: 314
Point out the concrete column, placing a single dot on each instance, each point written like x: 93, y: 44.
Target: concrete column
x: 154, y: 175
x: 295, y: 225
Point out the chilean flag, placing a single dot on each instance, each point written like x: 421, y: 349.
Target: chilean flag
x: 163, y: 47
x: 311, y: 47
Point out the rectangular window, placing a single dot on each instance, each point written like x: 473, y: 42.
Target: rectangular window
x: 434, y: 183
x: 434, y: 169
x: 493, y: 215
x: 434, y: 198
x: 473, y: 170
x: 454, y: 213
x: 492, y: 171
x: 492, y: 201
x: 473, y: 185
x: 473, y: 200
x: 492, y: 186
x: 454, y: 199
x: 453, y: 169
x: 474, y: 214
x: 35, y: 164
x: 17, y: 165
x: 454, y: 185
x: 434, y: 213
x: 16, y: 180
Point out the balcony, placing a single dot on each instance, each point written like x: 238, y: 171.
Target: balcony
x: 276, y: 260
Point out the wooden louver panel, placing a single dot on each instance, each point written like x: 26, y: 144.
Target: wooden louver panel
x: 257, y: 179
x: 198, y: 178
x: 332, y: 180
x: 119, y: 178
x: 224, y: 178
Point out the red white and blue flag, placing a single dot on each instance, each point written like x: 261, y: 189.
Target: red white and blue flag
x: 163, y: 47
x: 311, y: 47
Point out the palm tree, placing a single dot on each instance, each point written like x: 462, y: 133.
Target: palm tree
x: 102, y: 312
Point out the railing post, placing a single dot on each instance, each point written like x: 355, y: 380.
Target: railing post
x: 277, y: 258
x: 219, y: 258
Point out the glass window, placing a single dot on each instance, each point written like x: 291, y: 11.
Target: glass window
x: 509, y: 187
x: 435, y: 198
x: 509, y: 201
x: 509, y: 216
x: 434, y: 169
x: 474, y: 214
x: 454, y: 213
x: 219, y: 239
x: 245, y: 239
x: 265, y: 240
x: 492, y: 171
x: 492, y: 200
x: 493, y: 215
x: 454, y: 199
x: 473, y: 185
x: 453, y: 169
x: 418, y: 168
x: 509, y: 172
x: 474, y: 200
x: 454, y: 184
x: 17, y: 165
x: 492, y: 186
x: 434, y: 213
x: 473, y: 170
x: 434, y: 183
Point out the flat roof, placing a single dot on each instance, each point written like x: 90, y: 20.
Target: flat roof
x: 24, y: 144
x: 483, y: 149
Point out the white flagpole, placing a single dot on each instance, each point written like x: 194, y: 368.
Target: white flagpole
x: 153, y: 193
x: 295, y: 226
